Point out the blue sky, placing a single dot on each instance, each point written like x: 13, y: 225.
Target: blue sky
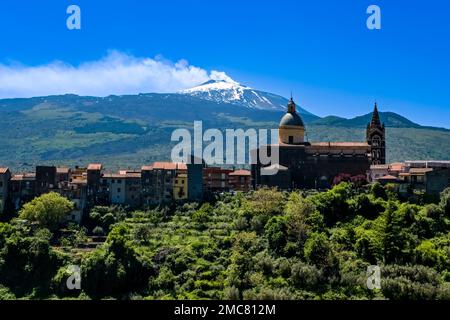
x: 321, y: 50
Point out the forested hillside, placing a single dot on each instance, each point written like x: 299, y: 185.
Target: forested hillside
x: 262, y: 245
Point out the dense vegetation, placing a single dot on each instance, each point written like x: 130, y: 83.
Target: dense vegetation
x: 261, y: 245
x: 128, y: 131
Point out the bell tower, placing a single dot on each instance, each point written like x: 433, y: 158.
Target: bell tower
x: 376, y: 138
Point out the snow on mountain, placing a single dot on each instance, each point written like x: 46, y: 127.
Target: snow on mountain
x: 230, y: 91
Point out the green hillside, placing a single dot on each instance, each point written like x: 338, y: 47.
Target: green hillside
x: 128, y: 131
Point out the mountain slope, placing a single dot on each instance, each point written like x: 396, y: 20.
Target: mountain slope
x: 390, y: 119
x: 128, y: 131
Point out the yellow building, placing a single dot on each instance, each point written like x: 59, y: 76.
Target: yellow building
x: 180, y: 187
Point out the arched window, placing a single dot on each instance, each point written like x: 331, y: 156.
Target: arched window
x: 376, y: 141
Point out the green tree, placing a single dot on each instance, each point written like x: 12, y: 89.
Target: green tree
x: 27, y: 261
x: 318, y: 252
x: 333, y: 204
x: 275, y: 231
x: 378, y: 191
x: 445, y: 201
x: 116, y: 268
x: 49, y: 210
x: 105, y: 217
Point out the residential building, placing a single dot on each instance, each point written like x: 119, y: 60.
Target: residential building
x: 216, y: 179
x: 158, y: 181
x: 45, y: 179
x: 94, y: 192
x: 180, y: 187
x: 240, y: 180
x: 124, y: 188
x: 23, y: 189
x: 378, y: 171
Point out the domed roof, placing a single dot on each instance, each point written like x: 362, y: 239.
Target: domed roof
x: 291, y: 119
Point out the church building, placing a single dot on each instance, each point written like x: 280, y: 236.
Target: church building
x: 316, y: 165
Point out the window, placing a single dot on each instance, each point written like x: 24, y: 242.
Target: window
x: 118, y: 190
x: 119, y: 181
x: 291, y: 139
x: 376, y: 141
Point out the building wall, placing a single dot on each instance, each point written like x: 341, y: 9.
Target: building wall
x: 4, y: 189
x: 148, y: 181
x: 437, y: 181
x: 216, y: 179
x: 93, y: 192
x: 45, y: 179
x: 312, y: 170
x: 23, y: 190
x: 117, y: 190
x: 133, y: 191
x: 195, y: 182
x: 291, y: 134
x: 240, y: 182
x: 180, y: 187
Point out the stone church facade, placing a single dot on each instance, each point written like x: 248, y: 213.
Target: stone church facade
x: 316, y: 165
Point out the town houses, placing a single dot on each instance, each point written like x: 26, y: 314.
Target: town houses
x: 301, y: 165
x: 167, y: 182
x: 159, y: 183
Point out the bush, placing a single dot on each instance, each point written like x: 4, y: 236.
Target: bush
x: 306, y: 276
x: 409, y: 282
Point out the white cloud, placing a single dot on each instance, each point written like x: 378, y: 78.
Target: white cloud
x: 218, y: 75
x: 117, y: 73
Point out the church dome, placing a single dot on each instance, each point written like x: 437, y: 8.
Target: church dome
x: 292, y: 128
x: 291, y: 119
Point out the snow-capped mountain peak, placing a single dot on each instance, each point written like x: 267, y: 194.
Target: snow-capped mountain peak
x: 218, y: 90
x: 230, y: 91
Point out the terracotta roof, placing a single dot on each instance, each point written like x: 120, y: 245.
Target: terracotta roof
x: 241, y: 173
x: 147, y: 168
x: 398, y: 166
x: 24, y: 176
x: 62, y: 170
x: 379, y: 167
x: 216, y: 170
x: 404, y: 174
x: 95, y: 166
x: 339, y: 144
x: 420, y: 170
x: 122, y: 175
x: 78, y: 181
x: 387, y: 177
x: 169, y: 166
x: 3, y: 170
